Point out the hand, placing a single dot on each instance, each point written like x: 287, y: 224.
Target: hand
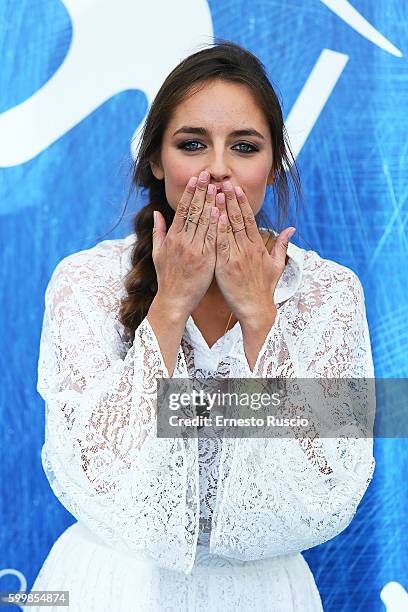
x: 245, y: 272
x: 184, y: 257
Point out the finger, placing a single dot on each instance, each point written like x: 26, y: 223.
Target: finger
x: 211, y: 235
x: 247, y: 214
x: 196, y: 205
x: 205, y: 217
x: 235, y: 216
x: 280, y: 247
x: 159, y: 231
x: 183, y: 205
x: 220, y: 202
x: 223, y: 241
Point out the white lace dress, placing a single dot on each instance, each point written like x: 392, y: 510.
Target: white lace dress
x: 190, y: 525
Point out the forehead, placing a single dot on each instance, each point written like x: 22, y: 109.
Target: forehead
x: 222, y: 104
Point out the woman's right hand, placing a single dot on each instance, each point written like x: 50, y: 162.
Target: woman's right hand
x: 185, y: 259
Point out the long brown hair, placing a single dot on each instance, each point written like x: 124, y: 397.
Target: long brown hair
x: 225, y: 61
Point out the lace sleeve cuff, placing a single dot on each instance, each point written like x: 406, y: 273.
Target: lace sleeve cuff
x: 266, y: 362
x: 147, y: 334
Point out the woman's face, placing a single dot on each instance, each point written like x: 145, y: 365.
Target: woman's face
x: 200, y: 136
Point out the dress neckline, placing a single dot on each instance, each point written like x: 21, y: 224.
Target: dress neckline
x: 197, y: 336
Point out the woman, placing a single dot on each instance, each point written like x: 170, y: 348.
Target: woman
x: 198, y: 524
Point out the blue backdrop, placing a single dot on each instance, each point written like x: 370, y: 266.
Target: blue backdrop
x: 76, y: 80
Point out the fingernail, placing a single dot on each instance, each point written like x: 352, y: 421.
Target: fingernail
x: 211, y: 189
x: 154, y: 218
x: 227, y: 185
x: 193, y: 181
x: 223, y: 219
x: 291, y: 233
x: 204, y: 176
x: 238, y: 191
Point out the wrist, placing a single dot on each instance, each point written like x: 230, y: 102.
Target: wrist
x: 166, y: 308
x: 258, y: 321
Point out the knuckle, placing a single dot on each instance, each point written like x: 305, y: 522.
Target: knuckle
x: 194, y: 208
x: 182, y: 209
x: 203, y: 220
x: 249, y: 220
x: 196, y: 201
x: 258, y: 248
x: 237, y: 218
x: 179, y: 248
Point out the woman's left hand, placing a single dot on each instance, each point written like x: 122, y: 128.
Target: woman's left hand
x: 246, y: 273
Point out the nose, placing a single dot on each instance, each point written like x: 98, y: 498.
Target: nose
x: 218, y: 168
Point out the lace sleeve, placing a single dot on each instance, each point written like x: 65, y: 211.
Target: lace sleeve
x: 331, y: 474
x: 309, y: 487
x: 101, y: 454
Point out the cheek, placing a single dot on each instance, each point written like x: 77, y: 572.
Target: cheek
x: 258, y: 176
x: 177, y: 175
x: 255, y: 174
x: 175, y: 183
x: 255, y: 186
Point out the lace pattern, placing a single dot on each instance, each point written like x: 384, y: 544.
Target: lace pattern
x: 141, y: 494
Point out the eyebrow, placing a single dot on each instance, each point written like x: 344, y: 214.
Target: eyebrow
x: 187, y: 129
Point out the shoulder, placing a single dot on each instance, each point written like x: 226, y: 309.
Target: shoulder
x: 329, y: 279
x: 311, y: 279
x: 313, y: 266
x: 105, y: 263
